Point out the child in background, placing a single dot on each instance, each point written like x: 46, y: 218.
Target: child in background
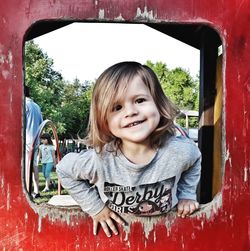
x: 48, y: 159
x: 135, y: 164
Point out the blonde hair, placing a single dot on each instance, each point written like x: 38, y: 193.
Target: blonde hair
x: 110, y: 87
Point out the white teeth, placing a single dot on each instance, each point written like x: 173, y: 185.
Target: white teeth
x: 134, y: 124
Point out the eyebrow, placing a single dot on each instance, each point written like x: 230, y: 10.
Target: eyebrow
x: 117, y: 102
x: 135, y: 96
x: 146, y: 96
x: 140, y: 95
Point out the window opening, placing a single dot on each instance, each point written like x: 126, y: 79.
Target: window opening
x: 201, y: 120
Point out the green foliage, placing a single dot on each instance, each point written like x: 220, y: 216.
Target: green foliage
x: 178, y: 85
x: 75, y: 108
x: 46, y: 85
x: 66, y: 104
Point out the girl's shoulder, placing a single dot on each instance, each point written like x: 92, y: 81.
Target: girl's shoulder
x: 82, y: 157
x: 41, y: 146
x: 181, y: 144
x: 52, y: 147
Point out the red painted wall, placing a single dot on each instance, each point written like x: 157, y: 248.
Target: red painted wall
x: 222, y: 225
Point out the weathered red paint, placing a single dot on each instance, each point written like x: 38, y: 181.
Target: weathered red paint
x: 223, y: 227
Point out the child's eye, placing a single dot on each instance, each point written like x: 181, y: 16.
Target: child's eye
x: 117, y: 108
x: 140, y: 100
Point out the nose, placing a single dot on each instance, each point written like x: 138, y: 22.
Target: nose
x: 130, y: 110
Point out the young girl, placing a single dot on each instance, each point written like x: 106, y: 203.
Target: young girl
x: 47, y: 153
x: 134, y: 163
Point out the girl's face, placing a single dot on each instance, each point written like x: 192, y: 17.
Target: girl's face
x: 44, y: 141
x: 135, y: 116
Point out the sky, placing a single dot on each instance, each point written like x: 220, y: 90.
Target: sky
x: 85, y: 50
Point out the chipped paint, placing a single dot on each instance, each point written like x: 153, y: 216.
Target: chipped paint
x: 245, y: 179
x: 210, y: 209
x: 6, y: 63
x: 119, y: 18
x: 10, y: 59
x: 26, y: 217
x: 8, y: 197
x: 227, y: 157
x: 66, y: 214
x: 5, y: 74
x: 101, y: 14
x: 2, y: 183
x: 145, y: 14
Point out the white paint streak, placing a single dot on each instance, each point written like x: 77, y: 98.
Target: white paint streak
x: 101, y: 14
x: 148, y: 227
x: 6, y: 62
x: 119, y: 18
x: 126, y: 236
x: 200, y: 20
x: 245, y: 174
x: 210, y: 208
x: 202, y: 225
x: 193, y: 236
x: 10, y: 59
x: 2, y: 183
x: 182, y: 243
x: 227, y: 157
x: 145, y: 15
x: 39, y: 224
x: 2, y: 58
x: 232, y: 219
x: 8, y: 197
x: 5, y: 74
x: 26, y: 216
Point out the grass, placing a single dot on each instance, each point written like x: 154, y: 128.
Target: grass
x: 45, y: 196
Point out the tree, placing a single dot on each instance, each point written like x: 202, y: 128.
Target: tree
x: 178, y: 85
x: 46, y: 84
x: 66, y: 104
x: 75, y: 108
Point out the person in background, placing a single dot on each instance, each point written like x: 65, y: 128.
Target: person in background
x: 48, y: 158
x: 134, y: 163
x: 33, y: 119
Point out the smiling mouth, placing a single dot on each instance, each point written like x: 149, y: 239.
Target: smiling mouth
x: 135, y: 123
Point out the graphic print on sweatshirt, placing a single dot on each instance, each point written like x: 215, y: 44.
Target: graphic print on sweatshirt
x: 147, y: 199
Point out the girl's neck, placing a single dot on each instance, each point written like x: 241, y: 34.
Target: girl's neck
x: 138, y: 153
